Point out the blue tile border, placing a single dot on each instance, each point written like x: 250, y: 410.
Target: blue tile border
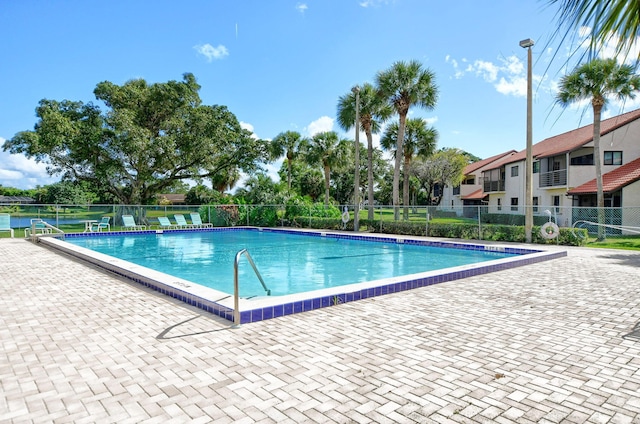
x: 289, y: 308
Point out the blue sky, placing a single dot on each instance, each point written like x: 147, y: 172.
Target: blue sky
x: 281, y: 65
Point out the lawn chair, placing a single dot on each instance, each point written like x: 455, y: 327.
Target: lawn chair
x: 182, y: 223
x: 197, y: 221
x: 165, y: 224
x: 5, y: 223
x: 104, y: 223
x: 129, y: 223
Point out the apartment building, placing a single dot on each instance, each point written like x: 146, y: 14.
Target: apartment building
x: 563, y: 172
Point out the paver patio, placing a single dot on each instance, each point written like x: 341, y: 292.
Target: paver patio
x: 553, y: 342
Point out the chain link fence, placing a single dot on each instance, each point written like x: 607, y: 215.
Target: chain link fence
x: 614, y: 221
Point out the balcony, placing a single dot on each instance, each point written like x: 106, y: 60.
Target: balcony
x: 489, y: 186
x: 553, y: 178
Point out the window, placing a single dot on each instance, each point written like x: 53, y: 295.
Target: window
x: 556, y: 203
x: 471, y: 180
x: 535, y: 204
x: 514, y: 171
x: 536, y: 167
x: 514, y: 203
x: 499, y: 204
x: 583, y: 160
x: 456, y: 190
x: 613, y: 158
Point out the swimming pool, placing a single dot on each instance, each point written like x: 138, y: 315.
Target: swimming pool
x: 288, y: 262
x: 265, y: 307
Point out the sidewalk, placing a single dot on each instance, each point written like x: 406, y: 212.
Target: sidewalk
x: 547, y: 343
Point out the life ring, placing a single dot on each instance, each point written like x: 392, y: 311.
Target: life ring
x: 345, y: 216
x: 549, y: 230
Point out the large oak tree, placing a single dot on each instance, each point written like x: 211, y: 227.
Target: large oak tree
x: 149, y: 137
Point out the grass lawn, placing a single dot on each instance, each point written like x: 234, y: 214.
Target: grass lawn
x: 624, y: 243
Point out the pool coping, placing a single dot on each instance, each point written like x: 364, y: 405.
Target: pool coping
x: 268, y: 307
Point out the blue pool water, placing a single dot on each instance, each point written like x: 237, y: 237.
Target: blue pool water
x: 289, y: 263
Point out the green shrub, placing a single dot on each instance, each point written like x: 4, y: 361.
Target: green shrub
x: 263, y: 216
x: 505, y: 233
x: 299, y: 208
x: 320, y: 223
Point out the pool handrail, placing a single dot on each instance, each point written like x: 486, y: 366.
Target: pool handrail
x: 236, y: 286
x: 45, y: 229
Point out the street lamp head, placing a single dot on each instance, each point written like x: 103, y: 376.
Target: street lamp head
x: 355, y: 89
x: 526, y: 43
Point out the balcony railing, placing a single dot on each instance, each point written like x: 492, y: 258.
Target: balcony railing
x: 553, y: 178
x: 497, y: 185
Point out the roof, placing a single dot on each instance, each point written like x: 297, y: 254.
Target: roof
x: 571, y: 140
x: 484, y: 162
x: 478, y: 194
x: 171, y: 197
x: 16, y: 199
x: 612, y: 181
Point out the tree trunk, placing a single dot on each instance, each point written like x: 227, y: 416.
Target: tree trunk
x: 597, y: 111
x: 396, y: 171
x: 327, y: 181
x: 406, y: 169
x: 288, y: 175
x: 370, y: 173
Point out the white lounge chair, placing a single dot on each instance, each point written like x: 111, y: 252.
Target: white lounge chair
x: 196, y: 220
x: 129, y: 223
x: 166, y: 224
x: 5, y: 223
x: 182, y: 223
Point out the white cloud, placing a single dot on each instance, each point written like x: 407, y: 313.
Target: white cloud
x: 249, y: 127
x: 458, y: 73
x: 302, y: 7
x: 19, y: 172
x: 210, y: 52
x: 606, y: 51
x: 246, y: 126
x: 513, y: 65
x: 513, y: 86
x: 487, y: 70
x: 322, y: 124
x: 431, y: 121
x: 609, y: 50
x: 508, y: 75
x: 375, y: 3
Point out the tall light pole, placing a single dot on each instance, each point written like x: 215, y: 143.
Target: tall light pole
x: 528, y: 198
x: 356, y: 177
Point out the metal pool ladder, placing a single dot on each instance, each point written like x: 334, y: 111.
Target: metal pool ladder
x: 236, y: 289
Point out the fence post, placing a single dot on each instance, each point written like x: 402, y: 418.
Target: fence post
x: 426, y: 229
x: 479, y: 222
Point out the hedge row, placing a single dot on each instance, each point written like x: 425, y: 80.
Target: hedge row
x: 493, y: 232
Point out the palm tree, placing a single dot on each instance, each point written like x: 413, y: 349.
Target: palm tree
x: 419, y: 140
x: 287, y: 143
x: 373, y: 110
x: 596, y: 81
x: 326, y: 149
x: 403, y: 85
x: 606, y: 18
x: 226, y: 179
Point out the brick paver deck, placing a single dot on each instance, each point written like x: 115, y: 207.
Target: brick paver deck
x: 547, y: 343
